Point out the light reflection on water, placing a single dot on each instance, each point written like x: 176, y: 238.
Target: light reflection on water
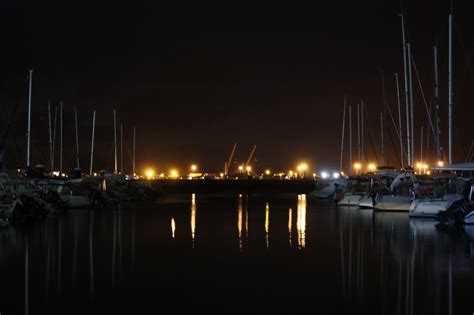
x: 239, y: 222
x: 301, y: 221
x: 267, y: 224
x: 379, y: 262
x: 173, y: 227
x: 193, y: 217
x: 290, y: 226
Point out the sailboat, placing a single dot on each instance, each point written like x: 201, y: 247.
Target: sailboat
x: 453, y: 189
x: 400, y: 196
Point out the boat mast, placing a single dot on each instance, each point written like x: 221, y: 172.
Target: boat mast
x: 121, y: 148
x: 92, y: 142
x: 411, y: 105
x: 115, y: 143
x: 350, y: 140
x: 77, y: 138
x: 382, y: 135
x: 400, y: 134
x: 358, y: 134
x: 342, y: 134
x: 450, y: 88
x: 61, y: 137
x: 54, y: 135
x: 385, y: 124
x: 134, y: 152
x: 436, y: 94
x: 407, y: 103
x: 28, y: 133
x: 421, y: 145
x: 51, y: 156
x: 362, y: 127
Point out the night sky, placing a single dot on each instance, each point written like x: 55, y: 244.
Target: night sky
x: 196, y: 77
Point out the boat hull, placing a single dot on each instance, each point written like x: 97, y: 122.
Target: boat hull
x: 366, y: 202
x: 351, y: 199
x: 393, y: 203
x: 429, y: 208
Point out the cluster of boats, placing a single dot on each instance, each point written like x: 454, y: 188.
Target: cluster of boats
x: 25, y: 198
x: 446, y: 196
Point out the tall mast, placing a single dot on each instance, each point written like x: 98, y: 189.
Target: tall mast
x: 115, y: 143
x: 436, y: 96
x: 407, y: 102
x: 421, y: 145
x: 350, y: 140
x: 61, y: 137
x: 385, y: 124
x: 358, y: 134
x: 28, y: 133
x: 342, y: 134
x: 54, y: 134
x: 382, y: 140
x: 362, y: 127
x: 92, y: 143
x: 121, y: 148
x: 77, y: 139
x: 134, y: 152
x: 51, y: 154
x: 450, y: 89
x: 400, y: 134
x: 411, y: 106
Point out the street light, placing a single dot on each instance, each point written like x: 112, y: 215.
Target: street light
x: 425, y: 167
x: 149, y: 173
x: 249, y: 169
x: 193, y: 168
x: 303, y: 167
x: 419, y: 166
x: 357, y: 167
x: 371, y: 167
x: 174, y: 173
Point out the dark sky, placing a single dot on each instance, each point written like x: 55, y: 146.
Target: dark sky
x: 195, y: 77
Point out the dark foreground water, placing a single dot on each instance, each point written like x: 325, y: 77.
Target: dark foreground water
x: 222, y: 255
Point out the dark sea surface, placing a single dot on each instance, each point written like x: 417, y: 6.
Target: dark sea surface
x: 229, y: 254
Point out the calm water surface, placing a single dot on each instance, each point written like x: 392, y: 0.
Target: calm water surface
x: 231, y: 254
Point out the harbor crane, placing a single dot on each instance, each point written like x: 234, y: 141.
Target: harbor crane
x: 252, y: 154
x: 229, y: 162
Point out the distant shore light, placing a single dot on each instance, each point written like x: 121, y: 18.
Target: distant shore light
x: 150, y: 173
x: 372, y: 167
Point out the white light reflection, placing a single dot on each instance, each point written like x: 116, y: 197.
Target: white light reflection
x: 239, y: 222
x: 193, y: 217
x: 301, y: 221
x: 173, y: 227
x: 267, y: 224
x: 290, y: 224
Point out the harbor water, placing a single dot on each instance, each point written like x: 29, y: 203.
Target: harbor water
x: 232, y: 254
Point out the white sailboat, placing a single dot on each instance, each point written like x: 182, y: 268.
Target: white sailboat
x: 401, y: 196
x: 429, y: 207
x: 460, y: 188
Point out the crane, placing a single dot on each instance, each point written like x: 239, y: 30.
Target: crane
x: 252, y: 153
x: 229, y: 162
